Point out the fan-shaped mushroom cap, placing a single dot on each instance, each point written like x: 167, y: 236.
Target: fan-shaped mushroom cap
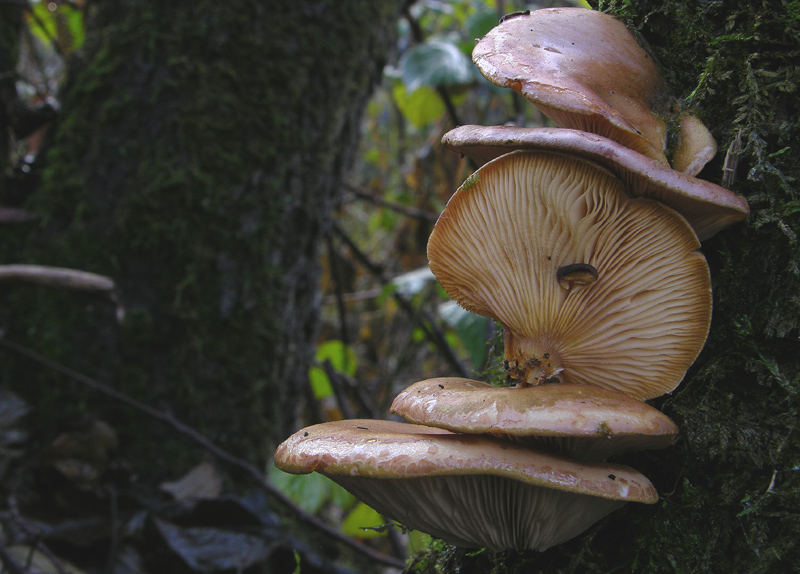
x: 708, y: 207
x: 585, y: 70
x: 580, y: 421
x: 499, y: 244
x: 469, y: 490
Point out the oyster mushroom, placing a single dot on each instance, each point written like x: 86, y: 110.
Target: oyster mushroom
x: 585, y: 70
x: 580, y: 421
x: 468, y: 490
x: 499, y: 244
x: 708, y: 207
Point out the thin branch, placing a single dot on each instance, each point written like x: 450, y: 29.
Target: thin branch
x: 59, y: 277
x: 10, y: 563
x: 248, y: 469
x: 34, y: 536
x: 427, y: 323
x: 399, y: 208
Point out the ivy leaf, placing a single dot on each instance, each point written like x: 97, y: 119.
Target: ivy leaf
x: 420, y: 107
x: 363, y: 522
x: 435, y: 63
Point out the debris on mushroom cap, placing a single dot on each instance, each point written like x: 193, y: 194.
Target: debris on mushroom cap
x: 706, y: 206
x: 585, y: 70
x: 696, y: 146
x: 500, y: 240
x: 576, y: 274
x: 469, y: 490
x: 581, y: 421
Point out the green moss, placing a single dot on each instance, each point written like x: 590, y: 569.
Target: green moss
x: 196, y: 162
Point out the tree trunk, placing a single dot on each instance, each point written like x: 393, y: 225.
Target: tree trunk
x: 196, y: 162
x: 730, y: 487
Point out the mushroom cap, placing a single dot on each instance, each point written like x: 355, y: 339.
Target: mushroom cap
x: 695, y: 147
x: 708, y: 207
x: 581, y: 421
x: 500, y: 241
x: 469, y: 490
x: 584, y: 70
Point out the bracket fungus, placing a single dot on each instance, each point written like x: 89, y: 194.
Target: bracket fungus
x: 707, y: 207
x: 580, y: 421
x: 497, y: 247
x: 468, y: 490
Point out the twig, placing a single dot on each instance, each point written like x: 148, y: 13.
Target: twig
x: 14, y: 214
x: 378, y: 200
x: 35, y: 536
x: 338, y: 390
x: 10, y: 563
x: 59, y: 277
x: 427, y: 324
x: 248, y: 469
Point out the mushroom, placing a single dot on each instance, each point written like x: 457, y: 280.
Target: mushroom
x: 580, y: 421
x: 695, y: 146
x: 708, y: 207
x: 469, y: 490
x: 500, y: 241
x: 584, y: 70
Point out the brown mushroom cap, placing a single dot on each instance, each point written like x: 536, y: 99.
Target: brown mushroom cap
x: 583, y: 69
x: 469, y: 490
x: 500, y: 241
x: 581, y: 421
x: 708, y: 207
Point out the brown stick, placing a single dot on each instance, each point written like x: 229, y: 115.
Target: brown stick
x: 248, y: 469
x: 57, y: 277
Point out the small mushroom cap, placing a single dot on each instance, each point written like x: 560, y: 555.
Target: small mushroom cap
x: 497, y: 247
x: 707, y: 207
x: 585, y: 70
x: 469, y: 490
x: 581, y: 421
x: 696, y: 146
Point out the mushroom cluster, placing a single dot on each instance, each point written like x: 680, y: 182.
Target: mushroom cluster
x: 582, y: 241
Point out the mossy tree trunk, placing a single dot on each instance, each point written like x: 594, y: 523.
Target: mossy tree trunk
x: 730, y: 487
x: 196, y: 162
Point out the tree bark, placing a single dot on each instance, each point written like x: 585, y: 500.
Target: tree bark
x: 196, y: 162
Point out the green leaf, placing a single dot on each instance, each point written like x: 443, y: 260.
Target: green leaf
x: 363, y: 517
x: 471, y: 330
x: 320, y: 383
x: 420, y: 107
x: 342, y: 357
x: 435, y: 63
x: 308, y: 491
x: 58, y: 22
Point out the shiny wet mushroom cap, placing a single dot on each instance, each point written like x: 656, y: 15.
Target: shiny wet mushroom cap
x: 585, y: 70
x: 580, y: 421
x: 707, y: 207
x: 500, y: 241
x: 468, y: 490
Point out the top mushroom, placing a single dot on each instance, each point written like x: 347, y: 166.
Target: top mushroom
x: 584, y: 70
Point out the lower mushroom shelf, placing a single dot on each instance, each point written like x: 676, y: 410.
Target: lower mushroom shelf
x: 482, y: 511
x: 469, y: 490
